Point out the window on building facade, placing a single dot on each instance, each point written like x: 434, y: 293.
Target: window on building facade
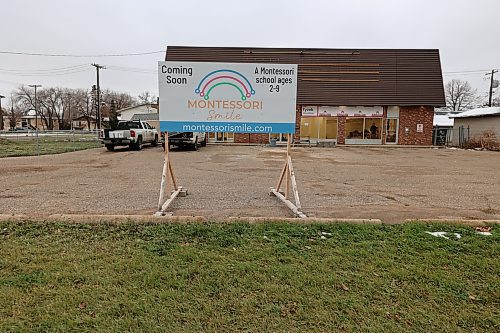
x: 354, y: 128
x: 363, y: 128
x: 318, y: 128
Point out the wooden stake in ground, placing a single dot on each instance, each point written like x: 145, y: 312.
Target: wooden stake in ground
x: 168, y: 183
x: 289, y: 175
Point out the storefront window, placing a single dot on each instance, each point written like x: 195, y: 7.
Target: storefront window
x: 318, y: 128
x: 363, y: 128
x: 280, y: 137
x: 220, y: 137
x: 392, y: 131
x: 354, y: 128
x: 373, y: 128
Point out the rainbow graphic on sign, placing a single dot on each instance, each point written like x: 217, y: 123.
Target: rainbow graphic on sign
x: 225, y: 77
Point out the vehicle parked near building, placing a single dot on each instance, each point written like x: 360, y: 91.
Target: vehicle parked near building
x: 129, y: 133
x: 22, y: 129
x: 182, y: 140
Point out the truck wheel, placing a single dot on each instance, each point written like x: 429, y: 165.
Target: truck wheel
x: 137, y: 145
x: 110, y: 147
x: 204, y: 143
x: 155, y: 141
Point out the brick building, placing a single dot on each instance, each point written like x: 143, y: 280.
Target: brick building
x: 366, y: 96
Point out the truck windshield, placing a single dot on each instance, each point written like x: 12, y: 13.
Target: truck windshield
x: 126, y: 125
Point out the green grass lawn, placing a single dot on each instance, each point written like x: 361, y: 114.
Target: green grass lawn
x: 28, y: 147
x: 247, y: 278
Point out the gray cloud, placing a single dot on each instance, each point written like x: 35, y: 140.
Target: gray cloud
x: 464, y: 31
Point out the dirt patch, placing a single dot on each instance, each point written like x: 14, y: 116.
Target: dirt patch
x: 223, y: 181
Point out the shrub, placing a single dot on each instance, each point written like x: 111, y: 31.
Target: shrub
x: 487, y: 140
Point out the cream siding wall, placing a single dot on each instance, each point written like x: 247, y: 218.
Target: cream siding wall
x: 127, y: 114
x: 478, y: 125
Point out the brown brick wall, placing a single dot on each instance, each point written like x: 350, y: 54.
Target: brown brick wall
x: 384, y: 124
x: 241, y: 138
x: 251, y: 138
x: 409, y: 117
x: 341, y: 130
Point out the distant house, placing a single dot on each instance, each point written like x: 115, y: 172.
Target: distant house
x: 28, y: 120
x: 128, y: 113
x: 84, y: 123
x: 151, y: 118
x: 475, y: 122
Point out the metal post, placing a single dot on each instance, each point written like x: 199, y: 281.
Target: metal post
x: 69, y: 112
x: 1, y: 112
x: 493, y: 71
x: 36, y: 118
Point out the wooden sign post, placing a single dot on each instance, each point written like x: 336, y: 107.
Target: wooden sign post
x: 254, y: 97
x: 168, y: 183
x: 289, y: 175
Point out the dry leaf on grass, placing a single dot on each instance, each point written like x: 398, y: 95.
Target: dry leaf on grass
x: 483, y: 229
x: 344, y: 287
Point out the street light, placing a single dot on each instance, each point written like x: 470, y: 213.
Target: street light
x: 36, y: 117
x: 1, y: 112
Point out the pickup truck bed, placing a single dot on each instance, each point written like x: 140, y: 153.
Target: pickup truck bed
x: 129, y: 133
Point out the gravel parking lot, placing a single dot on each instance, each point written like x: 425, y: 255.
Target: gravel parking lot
x: 391, y: 184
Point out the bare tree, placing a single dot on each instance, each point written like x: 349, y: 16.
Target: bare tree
x: 122, y: 100
x: 15, y: 113
x: 460, y: 95
x: 49, y: 104
x: 52, y: 106
x: 495, y: 101
x: 57, y: 105
x: 146, y: 98
x: 82, y: 105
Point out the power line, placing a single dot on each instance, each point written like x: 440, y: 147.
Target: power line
x: 133, y: 69
x: 80, y: 55
x: 48, y: 74
x: 468, y: 71
x: 43, y: 70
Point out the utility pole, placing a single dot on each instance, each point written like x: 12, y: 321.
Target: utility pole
x: 98, y: 67
x: 69, y: 112
x: 36, y: 118
x: 1, y: 113
x: 493, y: 71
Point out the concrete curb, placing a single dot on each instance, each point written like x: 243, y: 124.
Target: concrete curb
x: 149, y: 219
x: 145, y: 219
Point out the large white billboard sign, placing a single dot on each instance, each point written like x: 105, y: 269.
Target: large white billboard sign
x: 227, y: 97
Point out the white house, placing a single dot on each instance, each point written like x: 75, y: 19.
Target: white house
x: 475, y: 122
x: 128, y: 113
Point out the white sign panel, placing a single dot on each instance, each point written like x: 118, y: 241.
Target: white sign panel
x: 309, y: 111
x: 420, y: 128
x: 351, y: 111
x: 227, y: 97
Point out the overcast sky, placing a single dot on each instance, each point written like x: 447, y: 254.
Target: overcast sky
x: 466, y: 32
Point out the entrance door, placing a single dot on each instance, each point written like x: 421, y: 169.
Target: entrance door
x: 331, y: 128
x: 391, y: 131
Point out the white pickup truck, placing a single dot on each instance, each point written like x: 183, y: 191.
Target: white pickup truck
x: 132, y: 133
